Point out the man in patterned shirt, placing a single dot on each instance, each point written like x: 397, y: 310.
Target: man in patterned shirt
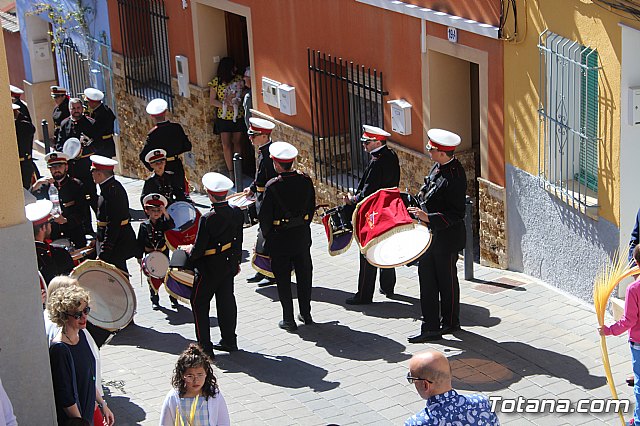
x: 430, y: 372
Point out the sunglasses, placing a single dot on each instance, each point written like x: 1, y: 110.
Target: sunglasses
x: 412, y: 379
x: 78, y: 315
x: 253, y: 134
x: 366, y: 141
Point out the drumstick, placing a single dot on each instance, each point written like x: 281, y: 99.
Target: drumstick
x: 236, y: 195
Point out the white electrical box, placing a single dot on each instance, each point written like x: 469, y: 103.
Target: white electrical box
x: 182, y: 70
x: 287, y: 95
x: 41, y: 50
x: 400, y: 116
x: 634, y: 106
x: 270, y: 92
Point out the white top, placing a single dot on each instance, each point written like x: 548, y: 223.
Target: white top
x: 283, y: 151
x: 157, y: 106
x: 444, y: 137
x: 218, y: 412
x: 216, y: 182
x: 7, y: 418
x: 38, y: 210
x: 93, y: 94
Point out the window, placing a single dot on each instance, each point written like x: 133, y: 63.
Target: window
x: 143, y: 29
x: 568, y: 119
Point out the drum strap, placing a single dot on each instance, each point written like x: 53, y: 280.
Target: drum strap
x: 260, y: 188
x: 103, y: 224
x: 110, y: 135
x: 26, y: 157
x: 216, y: 251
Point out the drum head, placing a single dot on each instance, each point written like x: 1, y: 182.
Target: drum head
x: 182, y: 276
x: 72, y: 148
x: 156, y: 264
x: 65, y: 243
x: 183, y: 215
x: 400, y: 248
x: 242, y: 201
x: 113, y: 301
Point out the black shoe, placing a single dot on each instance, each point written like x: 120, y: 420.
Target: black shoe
x: 175, y: 304
x: 267, y: 282
x: 389, y: 294
x: 290, y: 326
x: 307, y: 320
x: 256, y: 278
x: 155, y: 304
x: 357, y: 301
x: 450, y: 329
x: 209, y: 352
x: 223, y: 346
x: 631, y: 380
x: 426, y: 336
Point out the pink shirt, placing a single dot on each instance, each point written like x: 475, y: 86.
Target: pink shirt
x: 631, y: 318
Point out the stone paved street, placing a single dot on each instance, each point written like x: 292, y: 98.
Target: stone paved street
x: 520, y: 338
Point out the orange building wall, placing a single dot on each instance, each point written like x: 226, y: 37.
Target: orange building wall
x: 485, y: 11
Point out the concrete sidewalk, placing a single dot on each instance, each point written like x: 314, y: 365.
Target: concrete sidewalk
x: 520, y: 338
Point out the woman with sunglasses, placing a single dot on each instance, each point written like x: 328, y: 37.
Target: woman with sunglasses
x: 195, y: 398
x: 73, y: 365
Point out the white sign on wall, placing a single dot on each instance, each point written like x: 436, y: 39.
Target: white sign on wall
x: 452, y: 34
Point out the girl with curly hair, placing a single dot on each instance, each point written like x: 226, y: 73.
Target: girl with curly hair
x: 195, y: 398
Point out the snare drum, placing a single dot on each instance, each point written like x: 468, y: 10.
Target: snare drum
x: 242, y: 201
x: 337, y: 226
x: 179, y: 284
x: 186, y: 218
x: 64, y: 243
x: 155, y: 264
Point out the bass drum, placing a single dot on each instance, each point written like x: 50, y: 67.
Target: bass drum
x: 113, y: 300
x: 186, y: 218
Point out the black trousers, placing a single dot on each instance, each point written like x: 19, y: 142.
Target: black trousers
x: 27, y: 169
x: 439, y: 290
x: 220, y: 285
x: 81, y: 170
x: 302, y: 264
x: 367, y: 280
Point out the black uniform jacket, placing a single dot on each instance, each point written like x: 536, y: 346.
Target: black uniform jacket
x: 103, y: 130
x: 60, y: 112
x: 168, y: 136
x: 24, y: 111
x: 73, y: 129
x: 115, y: 234
x: 383, y: 171
x: 53, y: 261
x: 218, y: 228
x: 264, y: 173
x: 168, y: 185
x: 443, y: 198
x: 286, y: 212
x: 73, y: 203
x: 151, y: 236
x: 24, y: 134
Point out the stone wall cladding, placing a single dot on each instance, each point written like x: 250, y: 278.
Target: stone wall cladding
x: 193, y: 113
x: 493, y: 238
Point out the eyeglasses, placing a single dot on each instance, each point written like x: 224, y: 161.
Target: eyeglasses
x: 253, y: 134
x: 367, y: 141
x: 192, y: 377
x: 412, y: 379
x: 78, y: 315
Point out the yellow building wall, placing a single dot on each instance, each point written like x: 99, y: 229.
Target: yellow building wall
x: 12, y: 207
x: 593, y: 26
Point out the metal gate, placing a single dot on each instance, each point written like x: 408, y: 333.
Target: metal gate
x: 79, y: 71
x: 343, y: 96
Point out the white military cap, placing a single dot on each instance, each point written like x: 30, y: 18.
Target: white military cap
x: 157, y: 107
x: 372, y: 132
x: 58, y: 91
x: 54, y: 158
x: 15, y: 90
x: 154, y: 200
x: 260, y: 126
x: 14, y: 106
x: 216, y: 183
x: 442, y: 140
x: 98, y: 162
x: 93, y: 94
x: 283, y: 152
x: 155, y: 155
x: 39, y: 212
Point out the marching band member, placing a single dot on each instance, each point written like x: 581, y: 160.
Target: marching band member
x: 24, y: 136
x: 383, y: 171
x: 77, y: 125
x: 52, y: 261
x: 260, y: 136
x: 216, y: 256
x: 103, y: 122
x: 16, y: 94
x: 285, y: 217
x: 116, y: 239
x: 162, y: 181
x: 151, y: 237
x: 61, y: 110
x: 73, y: 203
x: 442, y: 200
x: 168, y: 136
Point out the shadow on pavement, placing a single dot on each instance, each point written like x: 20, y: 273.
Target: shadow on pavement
x: 182, y: 315
x: 148, y: 338
x: 137, y: 215
x: 282, y: 371
x: 487, y: 365
x: 344, y: 342
x: 126, y: 411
